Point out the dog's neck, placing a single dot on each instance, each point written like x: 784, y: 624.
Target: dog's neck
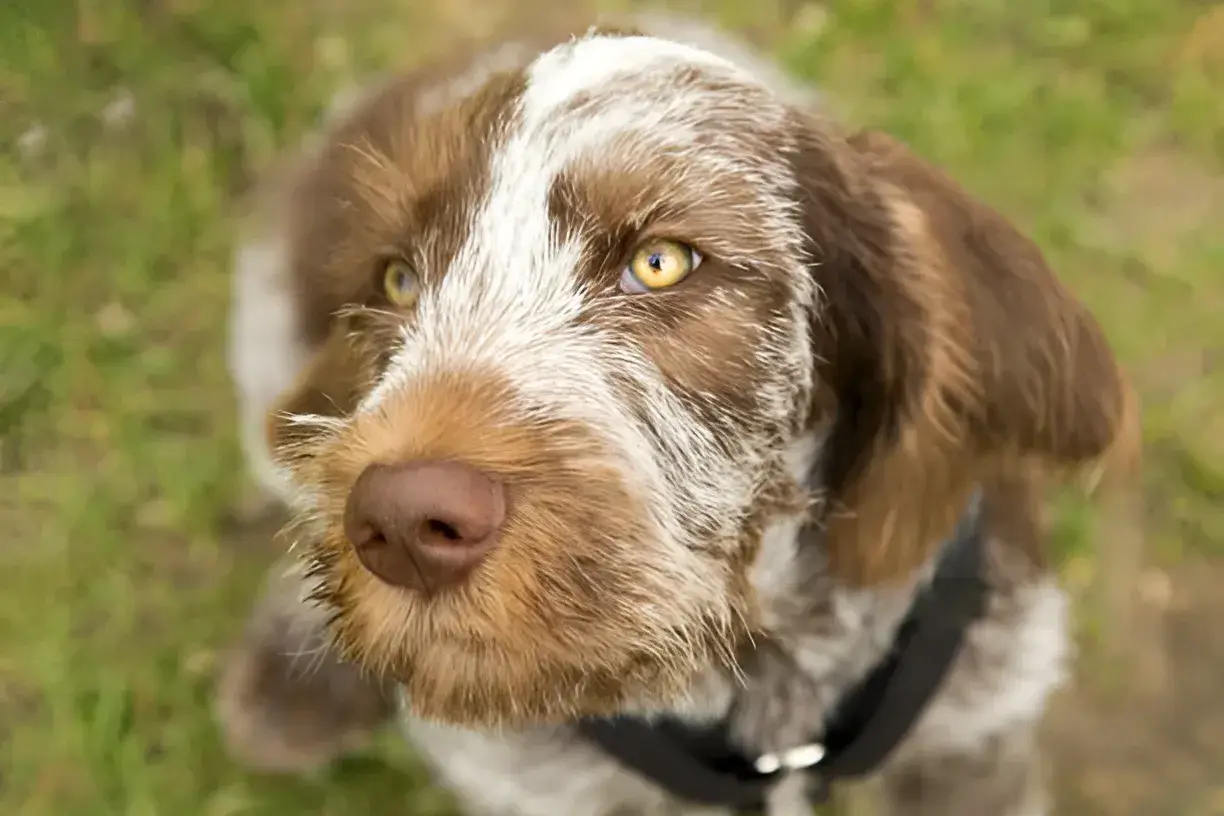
x: 815, y: 637
x: 796, y: 592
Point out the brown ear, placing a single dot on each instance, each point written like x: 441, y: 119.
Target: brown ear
x: 950, y: 354
x: 330, y: 385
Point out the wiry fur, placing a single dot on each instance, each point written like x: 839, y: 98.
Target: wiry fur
x: 729, y: 490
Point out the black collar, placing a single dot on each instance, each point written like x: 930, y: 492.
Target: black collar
x: 702, y: 765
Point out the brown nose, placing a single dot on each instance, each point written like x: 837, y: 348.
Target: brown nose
x: 423, y: 525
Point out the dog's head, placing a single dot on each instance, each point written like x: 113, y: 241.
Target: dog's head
x: 574, y: 321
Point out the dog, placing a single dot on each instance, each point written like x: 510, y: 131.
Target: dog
x: 618, y: 392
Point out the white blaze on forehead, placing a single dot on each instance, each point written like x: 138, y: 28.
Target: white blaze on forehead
x: 563, y: 73
x: 552, y: 130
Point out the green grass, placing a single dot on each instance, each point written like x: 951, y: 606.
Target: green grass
x: 1091, y: 123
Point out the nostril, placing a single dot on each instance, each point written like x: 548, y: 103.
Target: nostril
x: 440, y: 529
x: 363, y: 534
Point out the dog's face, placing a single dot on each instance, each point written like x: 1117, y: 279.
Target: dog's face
x: 571, y: 317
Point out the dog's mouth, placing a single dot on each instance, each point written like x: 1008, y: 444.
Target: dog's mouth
x: 507, y: 572
x: 573, y: 613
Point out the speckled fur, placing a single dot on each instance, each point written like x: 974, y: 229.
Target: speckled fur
x: 972, y: 753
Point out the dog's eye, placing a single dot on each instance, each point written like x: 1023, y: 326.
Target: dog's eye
x: 400, y: 283
x: 658, y: 264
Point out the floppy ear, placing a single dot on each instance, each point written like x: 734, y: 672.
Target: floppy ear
x: 949, y: 352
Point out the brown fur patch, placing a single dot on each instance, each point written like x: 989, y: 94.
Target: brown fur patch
x: 953, y: 349
x: 709, y: 350
x: 331, y: 385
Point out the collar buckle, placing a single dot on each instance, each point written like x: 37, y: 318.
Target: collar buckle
x: 798, y: 758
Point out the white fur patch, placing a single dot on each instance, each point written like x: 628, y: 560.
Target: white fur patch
x: 699, y: 33
x: 1034, y: 652
x: 541, y: 772
x: 586, y: 65
x: 773, y: 572
x: 265, y: 354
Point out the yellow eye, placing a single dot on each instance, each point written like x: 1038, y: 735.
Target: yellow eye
x: 400, y: 284
x: 659, y: 264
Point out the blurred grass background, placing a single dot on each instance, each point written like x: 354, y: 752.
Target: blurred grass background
x: 128, y: 130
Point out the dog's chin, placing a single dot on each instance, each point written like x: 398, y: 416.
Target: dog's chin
x: 450, y: 684
x: 478, y: 684
x: 497, y: 654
